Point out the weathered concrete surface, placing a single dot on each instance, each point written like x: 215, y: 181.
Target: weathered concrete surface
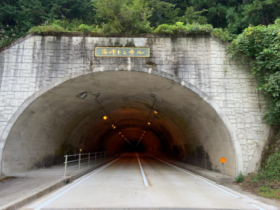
x: 209, y: 107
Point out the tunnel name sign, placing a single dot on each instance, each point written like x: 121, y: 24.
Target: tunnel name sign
x: 122, y: 52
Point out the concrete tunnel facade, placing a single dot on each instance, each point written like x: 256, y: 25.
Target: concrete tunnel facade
x: 207, y: 105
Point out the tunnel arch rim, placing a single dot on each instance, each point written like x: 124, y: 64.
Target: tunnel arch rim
x: 236, y: 145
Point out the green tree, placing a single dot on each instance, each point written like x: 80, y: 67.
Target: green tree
x: 257, y: 12
x: 234, y: 23
x: 191, y: 16
x: 181, y: 5
x: 124, y: 16
x: 217, y: 10
x: 18, y: 16
x: 163, y: 13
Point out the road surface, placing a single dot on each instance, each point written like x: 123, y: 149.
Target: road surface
x: 141, y: 181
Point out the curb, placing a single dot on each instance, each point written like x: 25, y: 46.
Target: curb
x: 48, y: 189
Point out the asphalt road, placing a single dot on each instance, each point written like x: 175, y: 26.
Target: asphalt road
x: 141, y: 181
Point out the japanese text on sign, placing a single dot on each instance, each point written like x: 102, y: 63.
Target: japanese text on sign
x: 121, y: 52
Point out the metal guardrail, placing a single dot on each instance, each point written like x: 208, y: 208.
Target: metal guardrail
x: 84, y: 160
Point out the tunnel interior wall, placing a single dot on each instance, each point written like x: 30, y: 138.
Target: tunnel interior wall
x: 39, y: 115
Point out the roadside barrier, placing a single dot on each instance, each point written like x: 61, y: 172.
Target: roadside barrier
x: 80, y: 161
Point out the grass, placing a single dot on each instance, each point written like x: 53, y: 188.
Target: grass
x: 265, y: 188
x: 268, y: 192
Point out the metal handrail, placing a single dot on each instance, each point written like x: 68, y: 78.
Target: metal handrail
x: 91, y: 157
x: 85, y: 154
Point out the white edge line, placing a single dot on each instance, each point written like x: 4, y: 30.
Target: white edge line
x: 256, y: 206
x: 142, y: 171
x: 198, y: 178
x: 70, y: 188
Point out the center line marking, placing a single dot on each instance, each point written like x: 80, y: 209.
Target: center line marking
x: 142, y: 171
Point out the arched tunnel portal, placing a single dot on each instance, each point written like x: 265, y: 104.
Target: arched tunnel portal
x: 57, y: 122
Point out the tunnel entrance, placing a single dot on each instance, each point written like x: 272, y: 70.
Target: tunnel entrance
x: 185, y: 125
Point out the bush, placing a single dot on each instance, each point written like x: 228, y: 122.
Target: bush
x: 47, y: 28
x: 261, y: 45
x: 86, y: 28
x: 64, y: 26
x: 240, y: 177
x: 223, y: 34
x: 180, y: 29
x: 271, y: 169
x: 69, y: 25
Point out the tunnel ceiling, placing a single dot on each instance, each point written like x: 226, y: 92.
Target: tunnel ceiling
x: 57, y: 121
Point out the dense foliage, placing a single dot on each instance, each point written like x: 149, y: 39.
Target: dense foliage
x: 262, y: 45
x: 18, y: 16
x: 134, y: 16
x: 126, y: 16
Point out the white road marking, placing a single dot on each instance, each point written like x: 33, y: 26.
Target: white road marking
x: 70, y: 188
x: 256, y: 206
x: 142, y: 171
x: 197, y: 177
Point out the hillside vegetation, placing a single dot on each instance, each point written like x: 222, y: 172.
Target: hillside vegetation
x: 17, y: 17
